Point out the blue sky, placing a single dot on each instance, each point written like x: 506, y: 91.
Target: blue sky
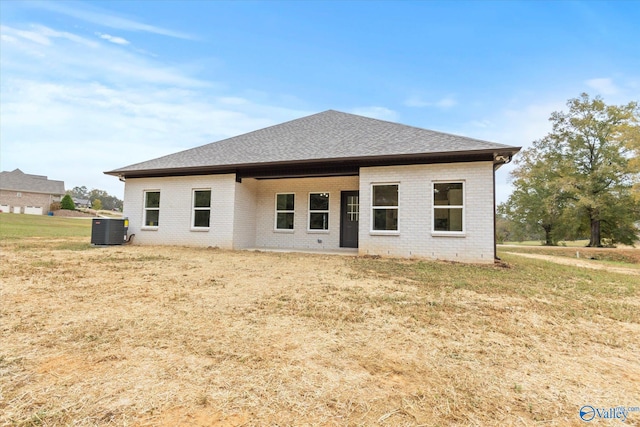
x: 92, y: 86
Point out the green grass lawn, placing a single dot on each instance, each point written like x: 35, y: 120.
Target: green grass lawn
x: 18, y: 226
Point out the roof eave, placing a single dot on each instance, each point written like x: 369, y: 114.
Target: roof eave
x: 490, y: 154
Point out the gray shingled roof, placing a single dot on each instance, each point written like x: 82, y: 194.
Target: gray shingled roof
x: 17, y: 180
x: 326, y: 136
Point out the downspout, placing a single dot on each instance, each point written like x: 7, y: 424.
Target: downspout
x: 123, y: 178
x: 495, y: 243
x: 498, y: 160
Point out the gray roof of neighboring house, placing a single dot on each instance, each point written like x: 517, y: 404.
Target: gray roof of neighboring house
x: 81, y: 201
x: 17, y: 180
x: 329, y: 136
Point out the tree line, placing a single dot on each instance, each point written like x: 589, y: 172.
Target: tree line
x: 582, y: 180
x: 98, y: 199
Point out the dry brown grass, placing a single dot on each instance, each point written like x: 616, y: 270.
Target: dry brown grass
x: 165, y: 336
x: 627, y: 255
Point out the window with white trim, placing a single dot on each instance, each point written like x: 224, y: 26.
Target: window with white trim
x: 285, y: 206
x: 318, y: 211
x: 151, y: 208
x: 448, y: 207
x: 201, y: 208
x: 384, y: 205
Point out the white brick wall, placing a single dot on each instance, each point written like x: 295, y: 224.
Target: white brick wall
x: 415, y: 216
x: 300, y: 238
x: 176, y: 210
x: 243, y: 214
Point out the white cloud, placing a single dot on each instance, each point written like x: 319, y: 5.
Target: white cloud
x: 517, y: 126
x: 72, y: 110
x: 48, y: 32
x: 381, y: 113
x: 446, y: 102
x: 443, y: 103
x: 483, y: 123
x: 604, y: 86
x: 14, y: 35
x: 416, y: 101
x: 41, y: 35
x: 114, y: 39
x: 76, y: 57
x: 95, y: 127
x: 102, y: 17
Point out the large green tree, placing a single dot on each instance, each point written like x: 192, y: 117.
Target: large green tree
x: 536, y: 204
x: 79, y: 192
x: 107, y: 201
x: 580, y: 177
x: 631, y: 135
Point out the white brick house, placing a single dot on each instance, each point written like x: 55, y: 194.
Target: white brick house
x: 330, y: 181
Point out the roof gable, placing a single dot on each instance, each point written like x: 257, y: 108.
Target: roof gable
x: 324, y: 137
x: 17, y: 180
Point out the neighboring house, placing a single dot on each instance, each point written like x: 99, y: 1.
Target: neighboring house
x: 25, y: 193
x: 327, y: 181
x: 81, y: 203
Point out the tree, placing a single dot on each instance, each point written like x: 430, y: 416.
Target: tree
x: 509, y: 231
x: 80, y: 192
x: 536, y: 204
x: 108, y: 202
x: 631, y: 135
x: 579, y: 179
x: 67, y: 203
x: 96, y: 204
x: 593, y: 140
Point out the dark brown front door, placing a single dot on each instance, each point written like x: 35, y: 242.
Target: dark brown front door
x: 349, y: 217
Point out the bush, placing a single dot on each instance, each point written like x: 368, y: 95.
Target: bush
x: 97, y: 204
x: 55, y: 206
x: 67, y: 203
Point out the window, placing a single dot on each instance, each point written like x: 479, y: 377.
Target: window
x: 201, y: 208
x: 384, y: 203
x: 285, y: 205
x: 318, y: 211
x: 151, y: 208
x: 353, y: 208
x: 448, y: 206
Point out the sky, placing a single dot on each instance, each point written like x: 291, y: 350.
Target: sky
x: 91, y: 86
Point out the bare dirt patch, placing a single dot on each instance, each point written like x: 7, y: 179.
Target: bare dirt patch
x: 149, y: 336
